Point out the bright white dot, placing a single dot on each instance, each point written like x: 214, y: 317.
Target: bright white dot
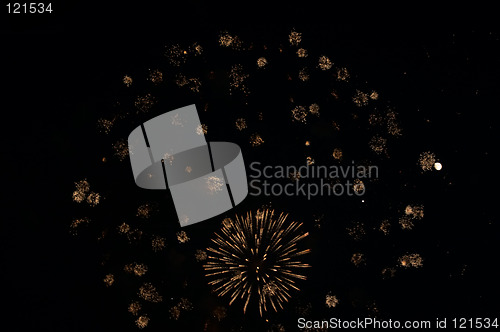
x: 438, y: 166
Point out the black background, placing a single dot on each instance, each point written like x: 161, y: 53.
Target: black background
x: 58, y: 72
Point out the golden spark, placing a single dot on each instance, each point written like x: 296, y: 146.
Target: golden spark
x: 411, y: 260
x: 241, y: 124
x: 215, y: 184
x: 427, y: 160
x: 256, y: 140
x: 324, y: 63
x: 261, y: 62
x: 127, y: 80
x: 302, y: 53
x: 295, y: 38
x: 149, y: 293
x: 182, y: 237
x: 155, y: 76
x: 331, y: 301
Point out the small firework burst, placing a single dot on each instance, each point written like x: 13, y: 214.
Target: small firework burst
x: 385, y: 227
x: 192, y: 84
x: 314, y: 109
x: 406, y: 222
x: 299, y: 114
x: 310, y: 161
x: 356, y: 231
x: 182, y: 237
x: 360, y: 98
x: 337, y: 153
x: 138, y: 269
x: 144, y: 103
x: 149, y: 293
x: 256, y: 140
x: 109, y: 279
x: 144, y: 211
x: 334, y: 94
x: 219, y: 313
x: 93, y: 198
x: 294, y: 176
x: 202, y: 129
x: 82, y: 188
x: 127, y: 80
x: 324, y: 63
x: 302, y: 53
x: 241, y: 124
x: 427, y: 160
x: 358, y: 259
x: 214, y: 184
x: 411, y: 260
x: 175, y: 313
x: 178, y: 122
x: 120, y: 149
x: 257, y: 256
x: 182, y: 305
x: 393, y: 127
x: 358, y: 186
x: 238, y: 79
x: 375, y: 119
x: 270, y: 288
x: 295, y: 38
x: 331, y: 301
x: 415, y: 211
x: 77, y: 224
x: 158, y: 243
x: 134, y: 235
x: 124, y: 228
x: 378, y: 144
x: 412, y: 212
x: 201, y: 255
x: 343, y: 74
x: 142, y: 321
x: 196, y: 49
x: 374, y: 95
x: 105, y: 125
x: 134, y: 308
x: 225, y: 39
x: 167, y: 157
x: 303, y: 74
x: 176, y: 55
x: 261, y: 62
x: 388, y: 272
x: 155, y: 76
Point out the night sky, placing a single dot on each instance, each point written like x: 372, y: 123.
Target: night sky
x: 62, y: 74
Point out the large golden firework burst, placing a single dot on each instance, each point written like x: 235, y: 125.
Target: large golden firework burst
x: 256, y: 256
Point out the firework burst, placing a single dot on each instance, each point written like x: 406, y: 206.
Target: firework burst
x: 257, y: 258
